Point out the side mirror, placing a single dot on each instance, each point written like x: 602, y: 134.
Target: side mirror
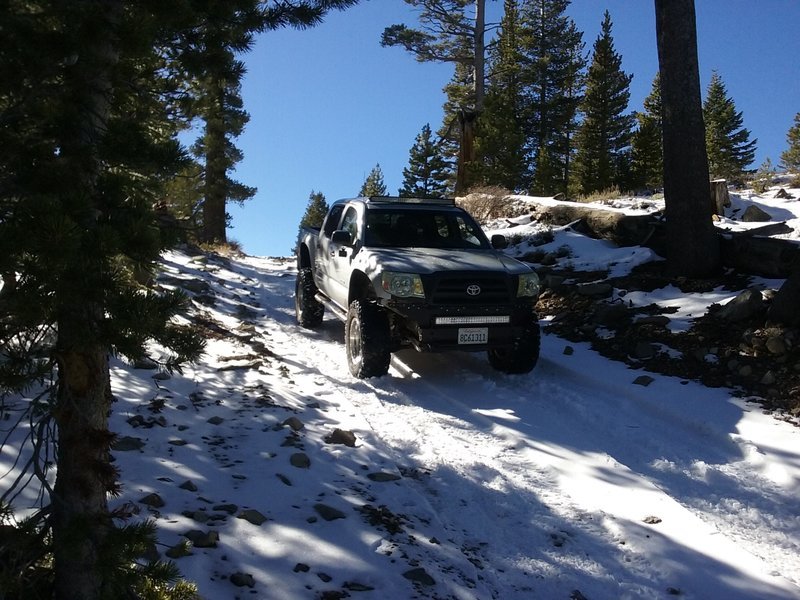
x: 342, y: 237
x: 499, y: 241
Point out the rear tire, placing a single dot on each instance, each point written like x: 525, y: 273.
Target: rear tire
x: 308, y: 309
x: 522, y: 356
x: 367, y: 340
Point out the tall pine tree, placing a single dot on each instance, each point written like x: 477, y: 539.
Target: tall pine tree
x: 552, y: 49
x: 427, y: 173
x: 603, y: 139
x: 501, y: 133
x: 790, y: 158
x: 647, y: 154
x: 316, y: 210
x: 730, y: 150
x: 373, y: 185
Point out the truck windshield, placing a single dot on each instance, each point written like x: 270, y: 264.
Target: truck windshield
x: 386, y: 228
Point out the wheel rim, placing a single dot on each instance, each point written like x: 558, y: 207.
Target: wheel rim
x: 298, y: 300
x: 354, y: 343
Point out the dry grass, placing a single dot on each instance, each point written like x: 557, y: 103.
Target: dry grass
x: 486, y: 203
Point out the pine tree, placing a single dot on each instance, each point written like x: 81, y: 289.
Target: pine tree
x: 603, y: 138
x: 316, y: 210
x: 373, y: 185
x: 427, y: 173
x: 452, y: 31
x: 552, y: 75
x: 728, y: 144
x: 647, y: 155
x: 790, y: 158
x: 501, y: 137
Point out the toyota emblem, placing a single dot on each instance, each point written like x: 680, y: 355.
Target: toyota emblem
x: 473, y: 290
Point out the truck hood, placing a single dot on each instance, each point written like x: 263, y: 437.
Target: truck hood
x: 424, y: 261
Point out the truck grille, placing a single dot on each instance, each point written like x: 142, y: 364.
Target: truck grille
x: 466, y: 289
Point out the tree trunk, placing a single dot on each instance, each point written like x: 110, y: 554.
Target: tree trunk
x: 216, y: 172
x: 80, y: 516
x: 785, y: 307
x: 692, y: 246
x: 466, y: 151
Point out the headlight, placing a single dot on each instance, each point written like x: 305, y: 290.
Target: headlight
x: 402, y: 285
x: 529, y: 285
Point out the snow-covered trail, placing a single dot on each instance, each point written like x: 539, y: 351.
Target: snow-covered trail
x: 573, y: 477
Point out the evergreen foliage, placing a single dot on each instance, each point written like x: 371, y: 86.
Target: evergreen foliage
x: 427, y: 173
x: 373, y: 185
x: 728, y: 144
x: 790, y: 158
x: 501, y: 136
x: 552, y: 76
x: 603, y: 139
x: 647, y: 154
x: 316, y: 210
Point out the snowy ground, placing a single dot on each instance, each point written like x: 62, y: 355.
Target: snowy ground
x: 455, y: 481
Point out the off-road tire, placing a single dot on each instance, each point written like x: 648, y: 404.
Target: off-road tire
x: 523, y: 355
x: 367, y: 339
x: 308, y: 309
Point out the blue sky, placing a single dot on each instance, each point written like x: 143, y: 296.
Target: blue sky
x: 329, y: 103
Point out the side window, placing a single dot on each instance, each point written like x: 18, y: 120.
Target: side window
x: 333, y: 220
x: 467, y: 232
x: 350, y: 222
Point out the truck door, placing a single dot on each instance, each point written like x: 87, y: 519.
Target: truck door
x: 322, y: 257
x: 341, y: 257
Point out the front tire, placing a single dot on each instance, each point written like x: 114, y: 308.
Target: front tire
x: 367, y: 340
x: 522, y: 356
x: 308, y: 309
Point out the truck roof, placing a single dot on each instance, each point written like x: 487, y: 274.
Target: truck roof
x: 383, y: 200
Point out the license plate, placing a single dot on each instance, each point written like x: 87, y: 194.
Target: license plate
x: 473, y: 335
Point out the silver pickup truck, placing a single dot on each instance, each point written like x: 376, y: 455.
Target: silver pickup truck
x: 408, y: 272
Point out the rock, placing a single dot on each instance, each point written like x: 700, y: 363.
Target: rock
x: 419, y: 575
x: 340, y: 436
x: 652, y: 520
x: 354, y: 586
x: 243, y: 580
x: 294, y: 423
x: 215, y: 421
x: 201, y: 539
x: 252, y: 516
x: 644, y: 351
x: 783, y: 194
x: 611, y: 314
x: 643, y: 380
x: 597, y: 288
x: 383, y: 477
x: 153, y: 500
x: 188, y: 485
x: 747, y: 304
x: 569, y: 350
x: 300, y: 460
x: 301, y: 568
x: 228, y: 508
x: 328, y: 512
x: 755, y: 214
x: 657, y: 320
x: 776, y: 345
x: 128, y: 444
x: 179, y: 550
x: 769, y: 378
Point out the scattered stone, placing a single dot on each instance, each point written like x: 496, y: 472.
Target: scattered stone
x: 216, y: 420
x: 745, y: 371
x: 294, y: 423
x: 674, y: 591
x: 128, y: 444
x: 755, y: 214
x: 340, y: 436
x: 769, y: 378
x: 300, y: 460
x: 577, y: 595
x: 652, y: 520
x: 243, y: 580
x: 597, y: 288
x: 252, y: 516
x: 419, y: 575
x: 656, y: 320
x: 146, y: 363
x: 325, y: 577
x: 179, y: 550
x: 301, y: 568
x: 197, y: 515
x: 611, y: 314
x: 285, y: 480
x: 162, y: 376
x: 644, y: 351
x: 354, y: 586
x: 569, y: 350
x: 383, y: 477
x: 328, y: 512
x: 643, y: 380
x: 177, y: 442
x: 153, y: 500
x: 776, y: 345
x: 747, y: 304
x: 228, y: 508
x: 202, y: 539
